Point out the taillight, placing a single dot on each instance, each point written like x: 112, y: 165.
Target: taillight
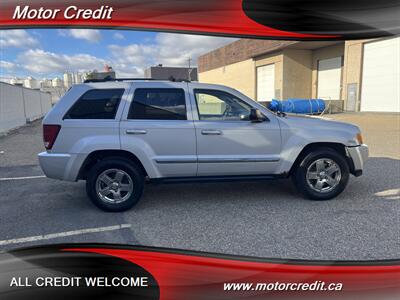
x: 50, y: 133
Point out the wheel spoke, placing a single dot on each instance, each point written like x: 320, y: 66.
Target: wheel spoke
x: 320, y: 165
x: 105, y: 191
x: 118, y: 176
x: 330, y: 181
x: 312, y: 175
x: 125, y: 187
x: 117, y: 196
x: 106, y: 179
x: 319, y: 185
x: 332, y: 169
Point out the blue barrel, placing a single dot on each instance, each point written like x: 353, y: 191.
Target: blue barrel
x: 298, y: 106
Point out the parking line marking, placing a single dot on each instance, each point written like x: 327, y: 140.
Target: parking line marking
x: 63, y: 234
x: 21, y: 178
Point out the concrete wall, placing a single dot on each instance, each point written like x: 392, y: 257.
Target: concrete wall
x: 12, y: 108
x: 32, y: 104
x: 240, y: 76
x: 297, y: 74
x: 319, y: 54
x: 20, y: 105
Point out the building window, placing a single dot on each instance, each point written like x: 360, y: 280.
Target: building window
x: 214, y: 105
x: 96, y: 104
x: 158, y: 104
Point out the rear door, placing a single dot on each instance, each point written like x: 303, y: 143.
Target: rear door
x: 157, y: 126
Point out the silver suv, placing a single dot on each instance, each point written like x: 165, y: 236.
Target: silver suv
x: 119, y: 134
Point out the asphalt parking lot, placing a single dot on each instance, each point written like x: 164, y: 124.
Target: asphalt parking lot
x: 265, y: 218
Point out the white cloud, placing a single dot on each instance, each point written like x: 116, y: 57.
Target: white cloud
x: 128, y: 61
x: 38, y: 61
x: 169, y: 49
x: 118, y: 36
x: 177, y: 48
x: 7, y: 70
x: 90, y: 35
x: 17, y: 38
x: 6, y: 65
x: 123, y: 70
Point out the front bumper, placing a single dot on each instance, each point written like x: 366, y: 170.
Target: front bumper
x: 358, y: 155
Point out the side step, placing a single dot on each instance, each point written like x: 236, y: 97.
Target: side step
x: 216, y: 178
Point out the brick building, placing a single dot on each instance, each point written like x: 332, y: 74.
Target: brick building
x: 360, y: 75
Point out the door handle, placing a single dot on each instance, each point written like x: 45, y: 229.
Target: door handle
x: 136, y: 131
x: 211, y: 132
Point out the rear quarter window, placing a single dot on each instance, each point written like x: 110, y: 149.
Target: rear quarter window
x: 96, y: 104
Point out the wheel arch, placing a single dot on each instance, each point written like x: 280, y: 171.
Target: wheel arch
x: 98, y: 155
x: 338, y: 147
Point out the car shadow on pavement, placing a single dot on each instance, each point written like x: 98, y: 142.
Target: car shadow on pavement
x: 380, y: 181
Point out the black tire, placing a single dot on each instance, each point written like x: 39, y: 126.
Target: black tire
x: 300, y: 180
x: 115, y: 163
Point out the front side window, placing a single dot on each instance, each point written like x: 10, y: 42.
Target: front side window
x: 96, y: 104
x: 214, y: 105
x: 158, y: 104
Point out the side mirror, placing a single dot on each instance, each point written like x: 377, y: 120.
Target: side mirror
x: 256, y: 116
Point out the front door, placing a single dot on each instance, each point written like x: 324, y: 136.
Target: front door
x: 227, y: 142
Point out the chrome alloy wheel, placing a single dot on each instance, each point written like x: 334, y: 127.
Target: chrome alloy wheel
x: 114, y: 186
x: 323, y: 175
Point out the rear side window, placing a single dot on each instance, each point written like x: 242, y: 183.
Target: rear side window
x: 96, y: 104
x: 158, y: 104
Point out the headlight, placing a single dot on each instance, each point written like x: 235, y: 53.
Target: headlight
x: 359, y: 138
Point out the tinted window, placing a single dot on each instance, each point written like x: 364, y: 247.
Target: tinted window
x: 158, y: 104
x: 214, y: 105
x: 96, y: 104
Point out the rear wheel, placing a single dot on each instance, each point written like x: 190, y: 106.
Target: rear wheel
x: 322, y: 174
x: 115, y: 184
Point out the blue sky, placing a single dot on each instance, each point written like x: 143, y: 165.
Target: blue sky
x: 49, y: 52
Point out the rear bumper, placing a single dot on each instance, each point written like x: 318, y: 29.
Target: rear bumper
x: 61, y: 166
x: 358, y: 155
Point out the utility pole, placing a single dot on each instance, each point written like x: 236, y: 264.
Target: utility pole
x: 189, y: 70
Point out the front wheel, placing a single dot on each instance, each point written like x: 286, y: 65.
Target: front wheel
x: 322, y: 174
x: 115, y: 184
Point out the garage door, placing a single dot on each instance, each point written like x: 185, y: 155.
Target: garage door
x: 329, y: 77
x: 381, y: 79
x: 266, y: 82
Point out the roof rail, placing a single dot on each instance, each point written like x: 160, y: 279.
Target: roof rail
x: 115, y: 79
x: 132, y: 79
